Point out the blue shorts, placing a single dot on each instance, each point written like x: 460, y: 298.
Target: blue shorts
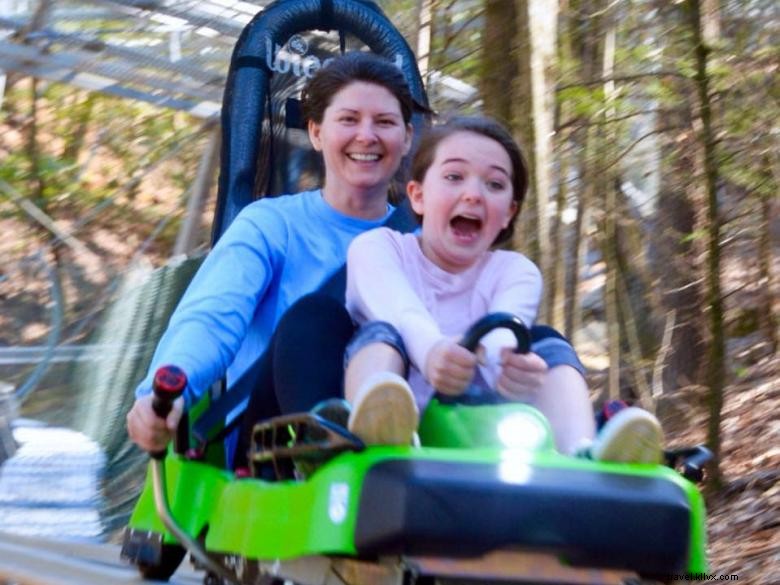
x: 377, y: 332
x: 546, y: 342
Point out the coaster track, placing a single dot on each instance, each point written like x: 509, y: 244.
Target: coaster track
x: 28, y: 560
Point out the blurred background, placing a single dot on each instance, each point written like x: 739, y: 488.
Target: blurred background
x: 651, y: 128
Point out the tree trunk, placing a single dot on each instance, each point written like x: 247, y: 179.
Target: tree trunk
x: 583, y: 35
x: 564, y: 145
x: 555, y: 288
x: 608, y: 238
x: 716, y: 371
x: 537, y: 23
x: 572, y: 309
x: 497, y: 64
x: 772, y: 321
x: 422, y: 37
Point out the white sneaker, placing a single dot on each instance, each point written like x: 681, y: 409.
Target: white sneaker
x: 632, y: 435
x: 384, y: 411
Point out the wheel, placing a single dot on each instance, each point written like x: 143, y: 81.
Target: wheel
x: 171, y: 557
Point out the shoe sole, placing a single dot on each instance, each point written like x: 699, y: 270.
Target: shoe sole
x: 630, y: 436
x: 384, y: 411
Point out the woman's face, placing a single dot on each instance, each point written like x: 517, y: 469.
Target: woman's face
x: 362, y: 138
x: 465, y: 198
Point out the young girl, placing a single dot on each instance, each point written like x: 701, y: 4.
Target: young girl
x: 415, y: 295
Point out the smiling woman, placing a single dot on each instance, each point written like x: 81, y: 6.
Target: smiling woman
x: 248, y: 299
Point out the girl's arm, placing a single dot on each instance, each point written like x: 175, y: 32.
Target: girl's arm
x: 515, y: 286
x: 378, y: 289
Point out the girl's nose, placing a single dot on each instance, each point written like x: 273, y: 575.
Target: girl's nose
x: 472, y: 191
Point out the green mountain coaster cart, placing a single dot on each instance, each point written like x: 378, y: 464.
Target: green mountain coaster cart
x: 484, y: 499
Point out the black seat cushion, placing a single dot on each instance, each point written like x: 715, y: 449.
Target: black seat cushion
x: 588, y: 518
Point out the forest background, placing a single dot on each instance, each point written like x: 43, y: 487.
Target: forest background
x: 651, y: 128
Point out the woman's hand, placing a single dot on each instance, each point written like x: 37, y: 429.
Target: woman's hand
x: 149, y: 431
x: 450, y: 367
x: 522, y: 375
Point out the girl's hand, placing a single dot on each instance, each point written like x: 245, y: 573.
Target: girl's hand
x: 149, y: 431
x: 450, y: 367
x: 522, y: 375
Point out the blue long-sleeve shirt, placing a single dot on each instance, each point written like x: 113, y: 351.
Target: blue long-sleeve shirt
x: 276, y: 251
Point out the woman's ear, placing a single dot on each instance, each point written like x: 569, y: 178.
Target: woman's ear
x: 314, y: 135
x: 414, y: 191
x: 409, y: 138
x: 513, y: 208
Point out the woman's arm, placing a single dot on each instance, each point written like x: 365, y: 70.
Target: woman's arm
x: 210, y: 323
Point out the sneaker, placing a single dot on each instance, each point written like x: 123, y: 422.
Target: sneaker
x: 631, y: 435
x: 384, y: 411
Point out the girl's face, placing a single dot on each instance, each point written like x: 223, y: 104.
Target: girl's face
x: 465, y: 200
x: 362, y: 138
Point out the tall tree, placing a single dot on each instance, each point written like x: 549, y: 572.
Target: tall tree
x: 700, y: 20
x: 533, y: 115
x: 497, y: 66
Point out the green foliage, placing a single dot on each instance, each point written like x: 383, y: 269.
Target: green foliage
x: 583, y: 101
x: 693, y: 236
x: 126, y: 136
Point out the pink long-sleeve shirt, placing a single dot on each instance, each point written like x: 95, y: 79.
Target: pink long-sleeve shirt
x: 390, y: 279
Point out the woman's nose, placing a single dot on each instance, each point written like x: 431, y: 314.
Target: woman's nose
x: 366, y: 131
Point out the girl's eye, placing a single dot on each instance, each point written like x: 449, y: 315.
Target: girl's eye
x: 496, y: 185
x: 348, y: 119
x: 386, y: 122
x: 452, y: 176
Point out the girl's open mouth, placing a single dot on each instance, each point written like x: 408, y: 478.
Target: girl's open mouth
x: 466, y: 228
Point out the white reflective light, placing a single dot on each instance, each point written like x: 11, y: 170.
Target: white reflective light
x: 521, y: 430
x: 514, y: 467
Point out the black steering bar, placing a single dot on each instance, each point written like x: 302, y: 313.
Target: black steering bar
x: 497, y: 321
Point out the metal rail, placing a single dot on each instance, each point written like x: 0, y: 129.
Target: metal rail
x: 38, y: 561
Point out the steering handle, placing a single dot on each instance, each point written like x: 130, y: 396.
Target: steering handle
x: 168, y: 384
x: 497, y: 321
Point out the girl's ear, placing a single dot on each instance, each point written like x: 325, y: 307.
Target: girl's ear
x: 415, y: 192
x: 512, y: 212
x: 314, y: 135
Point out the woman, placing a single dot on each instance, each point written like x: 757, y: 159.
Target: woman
x: 279, y: 249
x: 251, y: 296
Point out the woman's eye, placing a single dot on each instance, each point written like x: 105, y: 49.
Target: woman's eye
x: 452, y: 176
x: 496, y: 185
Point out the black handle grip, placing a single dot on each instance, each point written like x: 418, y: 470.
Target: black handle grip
x: 693, y: 465
x: 168, y: 384
x: 497, y: 321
